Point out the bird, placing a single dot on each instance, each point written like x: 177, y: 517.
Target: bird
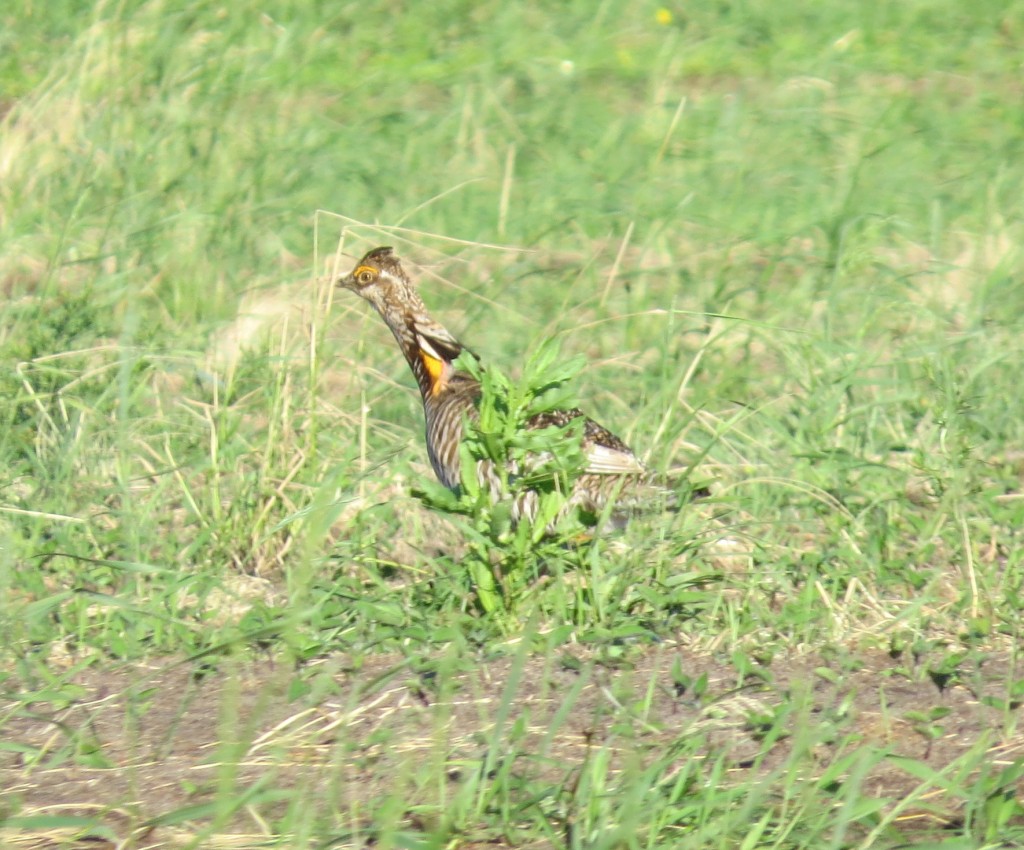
x: 611, y: 470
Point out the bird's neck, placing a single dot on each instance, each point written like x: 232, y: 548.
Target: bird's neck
x: 429, y: 348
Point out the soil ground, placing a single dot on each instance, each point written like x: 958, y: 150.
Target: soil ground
x: 142, y: 744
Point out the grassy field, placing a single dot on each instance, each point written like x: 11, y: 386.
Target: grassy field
x: 785, y: 237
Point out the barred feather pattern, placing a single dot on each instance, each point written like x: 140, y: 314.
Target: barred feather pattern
x: 445, y: 415
x: 449, y: 397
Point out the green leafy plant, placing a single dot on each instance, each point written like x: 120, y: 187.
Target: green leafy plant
x: 505, y: 556
x: 926, y: 723
x: 996, y: 806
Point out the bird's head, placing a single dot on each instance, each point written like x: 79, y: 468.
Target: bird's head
x: 378, y: 277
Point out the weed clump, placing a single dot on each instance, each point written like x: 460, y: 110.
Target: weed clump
x: 507, y: 556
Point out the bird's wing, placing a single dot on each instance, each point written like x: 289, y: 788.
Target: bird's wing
x: 437, y: 341
x: 611, y: 460
x: 605, y: 453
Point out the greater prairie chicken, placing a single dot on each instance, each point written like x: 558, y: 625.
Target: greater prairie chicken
x: 611, y: 469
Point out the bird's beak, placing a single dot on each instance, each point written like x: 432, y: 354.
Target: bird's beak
x: 345, y: 281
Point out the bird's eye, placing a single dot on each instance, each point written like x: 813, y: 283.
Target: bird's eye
x: 365, y: 276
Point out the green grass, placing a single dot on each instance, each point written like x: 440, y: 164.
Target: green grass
x: 785, y: 239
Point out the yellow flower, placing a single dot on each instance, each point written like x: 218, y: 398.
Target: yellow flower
x: 663, y: 16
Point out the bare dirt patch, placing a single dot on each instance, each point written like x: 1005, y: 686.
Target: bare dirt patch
x: 140, y: 744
